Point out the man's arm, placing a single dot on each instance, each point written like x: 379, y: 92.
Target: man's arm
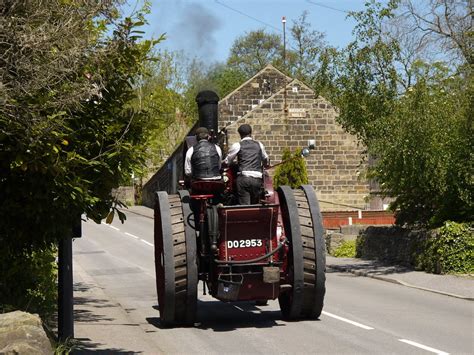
x: 232, y: 153
x: 187, y: 162
x: 219, y: 152
x: 265, y: 158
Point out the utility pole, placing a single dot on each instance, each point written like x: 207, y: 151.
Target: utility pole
x: 285, y: 106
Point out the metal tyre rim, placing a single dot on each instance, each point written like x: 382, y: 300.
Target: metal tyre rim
x: 291, y: 302
x: 314, y: 252
x: 175, y: 260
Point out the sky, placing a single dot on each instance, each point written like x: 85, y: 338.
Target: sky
x: 206, y: 29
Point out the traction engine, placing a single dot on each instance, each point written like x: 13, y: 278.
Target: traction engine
x: 274, y: 249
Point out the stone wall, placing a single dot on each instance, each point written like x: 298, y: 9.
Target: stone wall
x: 166, y: 179
x: 392, y: 245
x: 334, y: 164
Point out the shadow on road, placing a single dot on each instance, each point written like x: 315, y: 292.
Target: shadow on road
x: 86, y: 346
x: 86, y: 307
x: 224, y: 317
x: 91, y: 310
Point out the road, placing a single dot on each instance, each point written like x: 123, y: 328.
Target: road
x: 361, y: 315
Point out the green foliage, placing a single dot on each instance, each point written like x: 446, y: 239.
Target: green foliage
x: 69, y: 132
x: 414, y: 117
x: 346, y: 250
x: 226, y: 79
x: 67, y: 139
x: 292, y: 172
x: 425, y: 160
x: 251, y: 52
x: 306, y: 48
x: 65, y: 347
x: 28, y: 280
x: 450, y: 250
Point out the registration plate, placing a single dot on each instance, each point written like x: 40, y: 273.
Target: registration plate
x: 244, y: 243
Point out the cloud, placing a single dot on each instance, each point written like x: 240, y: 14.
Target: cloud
x: 194, y: 30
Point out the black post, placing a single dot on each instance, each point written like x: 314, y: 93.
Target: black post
x: 65, y: 282
x: 65, y: 295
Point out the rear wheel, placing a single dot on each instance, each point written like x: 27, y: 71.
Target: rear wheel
x: 175, y: 259
x: 307, y: 259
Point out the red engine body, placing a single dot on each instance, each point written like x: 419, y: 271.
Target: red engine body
x: 246, y: 234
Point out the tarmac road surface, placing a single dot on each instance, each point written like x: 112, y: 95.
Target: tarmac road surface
x: 115, y: 310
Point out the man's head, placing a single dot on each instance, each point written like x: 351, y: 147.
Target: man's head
x: 202, y: 133
x: 245, y: 130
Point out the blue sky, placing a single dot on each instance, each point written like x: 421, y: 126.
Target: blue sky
x: 207, y: 28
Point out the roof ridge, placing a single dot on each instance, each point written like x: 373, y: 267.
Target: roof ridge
x: 268, y: 66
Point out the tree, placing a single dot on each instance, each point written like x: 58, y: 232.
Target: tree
x: 445, y: 23
x: 226, y: 79
x: 160, y: 95
x: 69, y: 132
x: 307, y: 45
x: 251, y: 52
x: 414, y: 117
x: 292, y: 172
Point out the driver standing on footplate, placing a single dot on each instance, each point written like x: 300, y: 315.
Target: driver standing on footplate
x: 203, y: 160
x: 251, y: 157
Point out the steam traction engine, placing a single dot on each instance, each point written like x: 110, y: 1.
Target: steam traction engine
x: 241, y: 252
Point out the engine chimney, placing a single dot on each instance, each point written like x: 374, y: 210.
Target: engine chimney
x: 207, y: 105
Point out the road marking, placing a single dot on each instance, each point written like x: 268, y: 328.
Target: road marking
x: 240, y: 309
x: 117, y: 229
x: 131, y: 235
x: 347, y: 321
x: 148, y: 243
x: 424, y: 347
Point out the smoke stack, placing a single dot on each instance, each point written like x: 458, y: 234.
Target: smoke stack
x: 207, y: 106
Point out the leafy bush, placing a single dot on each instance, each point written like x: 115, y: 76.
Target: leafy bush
x: 450, y: 250
x: 293, y: 172
x: 417, y: 128
x: 69, y: 132
x: 346, y: 250
x: 28, y: 280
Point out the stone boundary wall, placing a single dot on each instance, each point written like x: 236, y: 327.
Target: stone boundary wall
x: 389, y: 244
x: 392, y: 245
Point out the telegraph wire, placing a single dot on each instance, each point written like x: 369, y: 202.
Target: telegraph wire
x: 328, y: 7
x: 249, y: 16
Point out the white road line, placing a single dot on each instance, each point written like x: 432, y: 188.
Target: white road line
x: 240, y: 309
x: 424, y: 347
x: 148, y: 243
x: 131, y: 235
x: 347, y: 321
x: 117, y: 229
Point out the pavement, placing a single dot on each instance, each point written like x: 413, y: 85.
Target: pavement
x: 448, y: 285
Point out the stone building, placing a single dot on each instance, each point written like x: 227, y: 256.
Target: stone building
x: 285, y: 113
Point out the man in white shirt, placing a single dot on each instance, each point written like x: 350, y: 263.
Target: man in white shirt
x: 251, y: 157
x: 203, y: 160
